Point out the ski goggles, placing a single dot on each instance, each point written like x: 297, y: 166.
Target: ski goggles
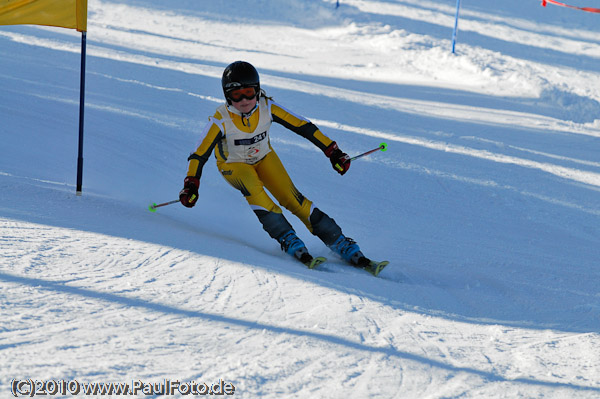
x: 248, y: 93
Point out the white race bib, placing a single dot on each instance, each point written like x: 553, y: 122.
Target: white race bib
x: 247, y: 147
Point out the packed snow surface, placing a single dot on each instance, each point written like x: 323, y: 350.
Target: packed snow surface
x: 486, y: 202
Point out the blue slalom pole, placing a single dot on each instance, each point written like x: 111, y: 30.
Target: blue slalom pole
x: 455, y: 27
x: 81, y: 110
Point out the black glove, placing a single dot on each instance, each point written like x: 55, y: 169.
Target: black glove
x: 339, y: 160
x: 189, y: 195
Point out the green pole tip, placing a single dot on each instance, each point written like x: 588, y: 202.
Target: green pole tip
x: 152, y: 208
x: 383, y: 146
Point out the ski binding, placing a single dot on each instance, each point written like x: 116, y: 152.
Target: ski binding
x: 376, y: 267
x: 314, y: 262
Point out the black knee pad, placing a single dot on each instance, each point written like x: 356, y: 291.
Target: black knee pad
x: 275, y: 224
x: 324, y: 227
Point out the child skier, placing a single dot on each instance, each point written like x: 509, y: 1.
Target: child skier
x: 239, y: 135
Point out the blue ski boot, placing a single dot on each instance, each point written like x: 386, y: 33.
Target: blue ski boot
x: 291, y: 244
x: 349, y: 250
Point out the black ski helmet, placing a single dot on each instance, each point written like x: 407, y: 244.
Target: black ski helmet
x: 239, y: 74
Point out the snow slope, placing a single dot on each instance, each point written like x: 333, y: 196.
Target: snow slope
x: 486, y: 201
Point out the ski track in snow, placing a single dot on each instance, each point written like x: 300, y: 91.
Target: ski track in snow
x: 486, y: 203
x: 125, y: 302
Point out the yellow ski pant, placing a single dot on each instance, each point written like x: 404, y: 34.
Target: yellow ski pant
x: 270, y: 174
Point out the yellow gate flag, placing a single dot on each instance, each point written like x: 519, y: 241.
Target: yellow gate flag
x: 63, y: 13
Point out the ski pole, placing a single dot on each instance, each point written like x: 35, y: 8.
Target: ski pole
x: 382, y: 147
x: 152, y: 208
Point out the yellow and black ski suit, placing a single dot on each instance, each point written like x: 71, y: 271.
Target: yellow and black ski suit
x: 247, y: 161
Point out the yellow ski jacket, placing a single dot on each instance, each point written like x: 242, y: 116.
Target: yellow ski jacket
x: 214, y: 134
